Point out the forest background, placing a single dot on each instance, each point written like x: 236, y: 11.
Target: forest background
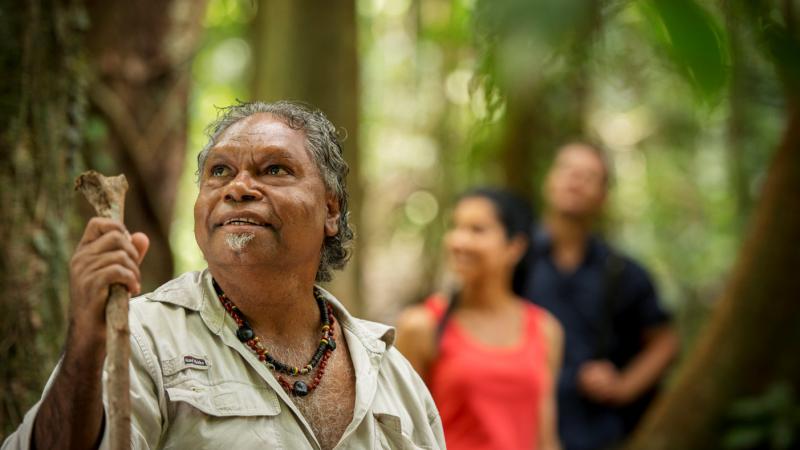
x: 697, y: 102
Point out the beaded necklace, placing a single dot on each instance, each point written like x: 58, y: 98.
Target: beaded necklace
x: 326, y: 345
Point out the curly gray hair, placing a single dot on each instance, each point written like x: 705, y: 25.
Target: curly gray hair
x: 322, y: 142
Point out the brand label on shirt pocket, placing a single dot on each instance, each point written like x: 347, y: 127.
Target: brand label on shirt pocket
x: 189, y: 361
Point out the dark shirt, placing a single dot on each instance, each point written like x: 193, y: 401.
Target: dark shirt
x: 577, y: 300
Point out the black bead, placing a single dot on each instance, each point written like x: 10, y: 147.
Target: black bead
x: 331, y: 343
x: 245, y: 333
x: 217, y: 289
x: 300, y: 389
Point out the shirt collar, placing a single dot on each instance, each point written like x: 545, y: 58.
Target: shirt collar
x: 543, y: 243
x: 375, y: 336
x: 194, y: 291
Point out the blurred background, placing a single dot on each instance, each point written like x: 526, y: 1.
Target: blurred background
x: 697, y: 102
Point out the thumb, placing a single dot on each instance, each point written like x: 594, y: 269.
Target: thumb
x: 142, y: 243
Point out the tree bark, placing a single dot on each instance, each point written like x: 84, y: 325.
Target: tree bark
x: 752, y: 338
x: 738, y: 126
x: 136, y: 72
x: 41, y: 115
x: 306, y: 50
x: 753, y: 335
x: 140, y: 53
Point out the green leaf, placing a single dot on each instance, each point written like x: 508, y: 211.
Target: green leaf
x: 693, y: 40
x: 744, y: 437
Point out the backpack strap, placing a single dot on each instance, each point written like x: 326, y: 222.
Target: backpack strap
x: 613, y: 268
x: 442, y: 309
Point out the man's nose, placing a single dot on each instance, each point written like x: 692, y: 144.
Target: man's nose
x: 242, y: 189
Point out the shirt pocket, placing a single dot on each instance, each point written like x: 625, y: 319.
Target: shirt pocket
x: 224, y: 415
x: 389, y: 434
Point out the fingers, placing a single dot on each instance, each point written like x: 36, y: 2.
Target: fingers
x: 597, y: 380
x: 111, y: 241
x: 98, y: 226
x: 107, y: 255
x: 114, y: 274
x: 116, y: 258
x: 142, y: 243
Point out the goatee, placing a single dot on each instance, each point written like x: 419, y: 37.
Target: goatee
x: 238, y: 241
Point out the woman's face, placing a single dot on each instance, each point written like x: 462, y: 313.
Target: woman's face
x: 477, y: 244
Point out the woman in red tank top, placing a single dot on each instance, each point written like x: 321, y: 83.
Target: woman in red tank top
x: 489, y: 357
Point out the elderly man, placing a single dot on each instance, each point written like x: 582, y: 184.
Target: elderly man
x: 248, y: 353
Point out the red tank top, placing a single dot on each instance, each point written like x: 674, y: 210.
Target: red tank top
x: 489, y: 397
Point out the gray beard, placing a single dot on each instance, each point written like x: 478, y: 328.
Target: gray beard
x: 238, y: 241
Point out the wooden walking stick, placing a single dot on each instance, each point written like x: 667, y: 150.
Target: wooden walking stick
x: 107, y: 196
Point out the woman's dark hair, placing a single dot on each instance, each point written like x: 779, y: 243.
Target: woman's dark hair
x: 516, y: 215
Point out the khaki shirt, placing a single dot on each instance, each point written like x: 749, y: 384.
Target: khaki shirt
x: 194, y: 385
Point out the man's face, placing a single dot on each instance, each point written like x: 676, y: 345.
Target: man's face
x: 576, y: 184
x: 262, y: 200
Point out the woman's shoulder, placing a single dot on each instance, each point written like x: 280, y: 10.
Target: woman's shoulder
x: 545, y: 321
x: 423, y: 316
x: 540, y: 313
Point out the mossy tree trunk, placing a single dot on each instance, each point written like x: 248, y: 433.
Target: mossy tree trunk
x: 41, y: 115
x: 140, y: 52
x: 130, y: 60
x: 753, y: 336
x: 306, y: 50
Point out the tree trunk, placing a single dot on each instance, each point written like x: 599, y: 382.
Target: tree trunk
x: 546, y: 114
x: 42, y: 115
x: 306, y: 50
x: 753, y: 336
x: 518, y: 143
x: 738, y: 128
x: 140, y: 53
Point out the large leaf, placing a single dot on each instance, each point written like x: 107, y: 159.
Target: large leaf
x: 522, y: 40
x: 693, y: 39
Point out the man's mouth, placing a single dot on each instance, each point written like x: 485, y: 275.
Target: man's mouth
x: 244, y: 221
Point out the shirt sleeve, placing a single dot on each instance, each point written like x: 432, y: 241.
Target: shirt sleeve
x: 20, y: 439
x: 435, y: 422
x: 145, y: 405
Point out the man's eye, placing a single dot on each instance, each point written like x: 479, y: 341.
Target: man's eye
x: 220, y: 171
x: 276, y: 170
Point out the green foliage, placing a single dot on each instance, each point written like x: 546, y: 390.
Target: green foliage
x: 771, y: 420
x: 694, y: 41
x: 524, y: 42
x: 775, y: 26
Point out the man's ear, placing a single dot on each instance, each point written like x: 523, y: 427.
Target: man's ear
x: 334, y: 212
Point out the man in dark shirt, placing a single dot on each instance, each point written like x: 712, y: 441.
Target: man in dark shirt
x: 618, y: 340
